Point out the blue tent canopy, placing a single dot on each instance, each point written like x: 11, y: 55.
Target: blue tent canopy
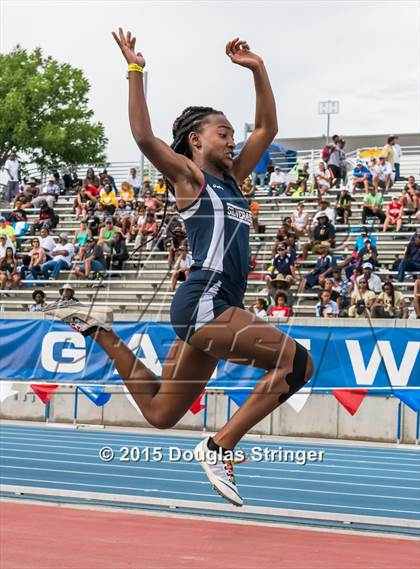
x: 279, y: 155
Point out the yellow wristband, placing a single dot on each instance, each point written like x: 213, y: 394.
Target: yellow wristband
x: 135, y: 67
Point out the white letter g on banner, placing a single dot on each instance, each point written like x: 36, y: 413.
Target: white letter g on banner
x: 77, y: 353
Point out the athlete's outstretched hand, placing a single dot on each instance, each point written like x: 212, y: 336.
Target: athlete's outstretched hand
x: 239, y: 52
x: 127, y: 45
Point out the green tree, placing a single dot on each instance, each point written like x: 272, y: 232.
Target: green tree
x: 44, y: 112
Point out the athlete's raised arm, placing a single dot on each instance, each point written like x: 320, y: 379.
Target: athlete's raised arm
x: 178, y: 168
x: 265, y: 114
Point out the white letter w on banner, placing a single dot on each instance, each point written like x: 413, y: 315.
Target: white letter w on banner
x: 397, y: 376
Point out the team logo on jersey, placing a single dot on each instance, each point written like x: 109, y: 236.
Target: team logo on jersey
x: 238, y: 214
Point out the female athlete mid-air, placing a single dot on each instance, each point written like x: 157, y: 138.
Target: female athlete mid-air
x: 207, y: 311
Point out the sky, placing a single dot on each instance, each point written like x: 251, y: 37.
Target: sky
x: 365, y: 54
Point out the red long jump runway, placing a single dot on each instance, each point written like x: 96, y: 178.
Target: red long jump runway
x: 35, y: 536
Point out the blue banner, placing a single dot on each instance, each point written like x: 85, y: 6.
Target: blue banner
x: 379, y: 359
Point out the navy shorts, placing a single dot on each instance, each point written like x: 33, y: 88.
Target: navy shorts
x: 201, y: 299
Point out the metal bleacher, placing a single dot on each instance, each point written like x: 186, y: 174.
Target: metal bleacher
x: 141, y: 288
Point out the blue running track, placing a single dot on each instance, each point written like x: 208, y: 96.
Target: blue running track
x: 363, y: 485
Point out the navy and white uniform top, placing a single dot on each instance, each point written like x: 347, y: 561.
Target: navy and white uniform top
x: 217, y: 225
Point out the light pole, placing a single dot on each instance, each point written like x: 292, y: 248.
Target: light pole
x: 328, y: 108
x: 145, y: 74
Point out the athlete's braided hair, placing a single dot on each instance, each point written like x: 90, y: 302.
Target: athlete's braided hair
x: 189, y: 120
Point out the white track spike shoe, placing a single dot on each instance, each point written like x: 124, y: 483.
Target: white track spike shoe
x: 219, y: 472
x: 83, y: 318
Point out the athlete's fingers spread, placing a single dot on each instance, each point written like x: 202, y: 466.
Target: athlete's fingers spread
x: 122, y: 37
x: 129, y: 37
x: 116, y: 38
x: 133, y: 43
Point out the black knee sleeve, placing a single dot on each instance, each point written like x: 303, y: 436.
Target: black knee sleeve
x: 296, y: 379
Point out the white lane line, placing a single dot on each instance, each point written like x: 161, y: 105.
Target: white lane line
x: 180, y: 480
x: 358, y: 508
x: 284, y: 466
x: 241, y: 475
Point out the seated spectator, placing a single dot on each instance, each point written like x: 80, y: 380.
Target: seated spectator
x: 108, y: 199
x: 92, y: 186
x: 152, y: 203
x: 285, y: 234
x: 62, y: 256
x: 80, y: 239
x: 247, y: 188
x: 362, y: 300
x: 94, y: 260
x: 382, y: 177
x: 324, y: 209
x: 9, y: 273
x: 66, y: 293
x: 119, y: 253
x: 160, y: 188
x: 108, y: 234
x: 82, y: 202
x: 7, y: 229
x: 393, y: 212
x: 280, y: 308
x: 411, y: 261
x: 362, y: 178
x: 135, y: 182
x: 361, y: 239
x: 18, y: 215
x: 323, y: 268
x: 96, y: 219
x: 38, y: 296
x: 181, y: 268
x: 368, y: 254
x: 350, y: 263
x: 390, y: 303
x: 147, y: 186
x: 322, y: 178
x: 147, y: 231
x: 122, y: 216
x: 4, y: 244
x: 277, y: 183
x: 49, y: 193
x: 46, y: 218
x: 106, y: 178
x: 416, y: 301
x: 301, y: 184
x: 343, y: 205
x: 326, y: 308
x: 340, y: 285
x: 372, y: 206
x: 31, y: 190
x: 323, y: 237
x: 410, y: 197
x: 37, y: 258
x: 300, y: 220
x: 47, y: 242
x: 259, y: 308
x: 23, y: 201
x: 373, y: 281
x: 254, y: 208
x: 353, y: 282
x: 127, y: 194
x: 59, y: 182
x: 277, y: 284
x: 282, y: 264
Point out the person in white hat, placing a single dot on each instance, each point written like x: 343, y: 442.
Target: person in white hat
x: 373, y: 281
x: 62, y: 256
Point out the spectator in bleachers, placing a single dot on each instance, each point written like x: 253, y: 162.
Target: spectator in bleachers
x: 277, y: 183
x: 322, y: 177
x: 416, y: 301
x: 343, y: 205
x: 152, y: 203
x: 397, y: 158
x: 107, y: 235
x: 181, y: 268
x: 393, y: 212
x: 119, y: 253
x: 46, y: 218
x: 388, y: 151
x: 9, y: 273
x: 108, y: 199
x: 93, y: 188
x: 326, y: 308
x: 37, y: 257
x: 301, y: 183
x: 80, y: 239
x: 259, y: 308
x: 4, y: 244
x: 48, y: 193
x: 260, y: 171
x: 279, y: 283
x: 25, y: 202
x: 285, y: 234
x: 135, y: 182
x: 47, y: 242
x: 82, y: 202
x: 411, y: 261
x: 340, y: 285
x: 94, y: 260
x: 254, y: 208
x: 350, y: 263
x: 410, y: 197
x: 323, y: 268
x: 95, y: 219
x: 59, y: 182
x: 322, y: 239
x: 372, y: 205
x: 92, y: 177
x: 282, y: 264
x: 147, y: 186
x: 373, y: 281
x: 106, y: 178
x: 382, y: 176
x: 390, y: 303
x: 280, y: 308
x: 368, y: 254
x: 122, y: 216
x: 31, y: 190
x: 147, y: 230
x: 62, y: 256
x: 7, y: 229
x: 11, y: 167
x: 127, y: 194
x: 361, y: 300
x: 38, y: 296
x: 247, y: 188
x: 324, y: 209
x: 337, y: 162
x: 362, y: 177
x: 18, y: 215
x: 160, y: 188
x: 66, y: 293
x: 300, y: 220
x: 361, y: 239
